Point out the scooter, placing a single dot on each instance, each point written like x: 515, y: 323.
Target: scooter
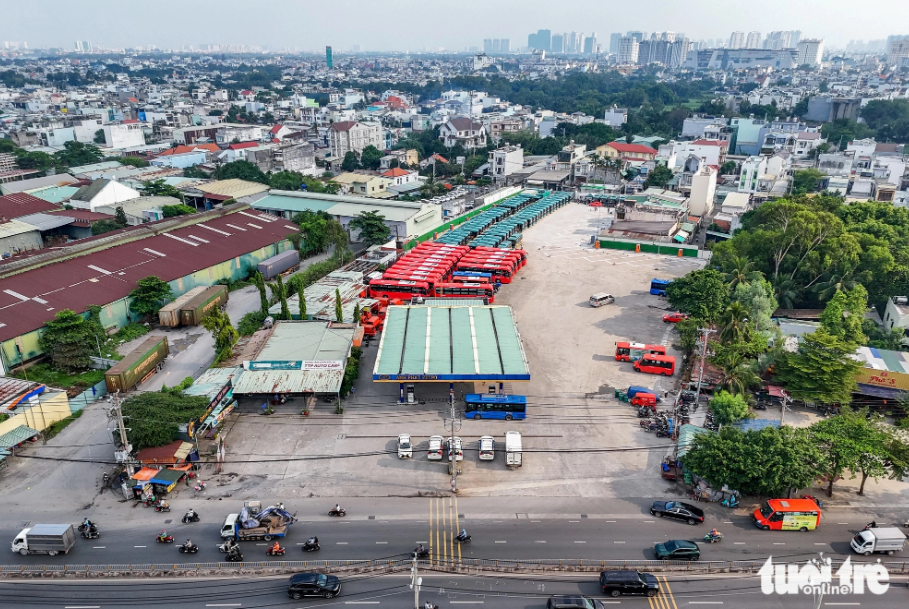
x: 465, y: 539
x: 713, y: 538
x: 167, y: 539
x: 731, y: 501
x: 162, y: 506
x: 419, y: 555
x: 91, y: 533
x: 191, y: 516
x: 272, y: 552
x: 185, y: 549
x: 235, y: 556
x: 150, y: 502
x: 92, y: 527
x: 225, y: 547
x: 311, y: 545
x: 333, y: 512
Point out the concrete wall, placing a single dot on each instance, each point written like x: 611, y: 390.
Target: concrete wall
x: 47, y: 412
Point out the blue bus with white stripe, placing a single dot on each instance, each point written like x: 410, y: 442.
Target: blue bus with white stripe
x: 472, y: 274
x: 483, y: 406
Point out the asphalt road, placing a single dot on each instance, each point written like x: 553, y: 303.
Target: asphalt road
x: 392, y: 529
x: 492, y: 591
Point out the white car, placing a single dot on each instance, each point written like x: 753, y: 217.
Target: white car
x: 459, y: 454
x: 435, y: 448
x: 487, y: 448
x: 405, y: 448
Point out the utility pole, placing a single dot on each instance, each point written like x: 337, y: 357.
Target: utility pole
x: 415, y: 582
x: 453, y: 457
x: 705, y: 334
x: 125, y: 449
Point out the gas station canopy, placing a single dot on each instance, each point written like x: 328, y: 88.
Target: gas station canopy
x: 450, y: 343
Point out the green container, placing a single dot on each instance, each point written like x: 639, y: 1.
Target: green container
x: 129, y: 371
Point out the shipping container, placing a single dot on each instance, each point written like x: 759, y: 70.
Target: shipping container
x: 169, y: 314
x: 137, y: 365
x: 192, y: 312
x: 274, y: 266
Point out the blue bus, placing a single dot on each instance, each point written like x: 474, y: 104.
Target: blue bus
x: 658, y: 286
x: 508, y: 407
x: 473, y: 275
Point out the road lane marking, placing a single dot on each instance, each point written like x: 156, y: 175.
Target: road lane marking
x: 261, y: 544
x: 381, y: 543
x: 138, y: 546
x: 501, y: 542
x: 580, y: 542
x: 457, y: 522
x: 341, y: 543
x: 665, y: 599
x: 98, y: 547
x: 82, y: 607
x: 838, y: 523
x: 609, y: 521
x: 842, y: 604
x: 727, y: 522
x: 705, y: 602
x: 539, y: 541
x: 361, y: 602
x: 618, y: 542
x: 574, y: 521
x: 738, y: 543
x: 611, y: 602
x: 820, y: 544
x: 226, y: 605
x: 421, y: 542
x: 779, y: 543
x: 534, y: 521
x: 650, y: 521
x: 466, y: 602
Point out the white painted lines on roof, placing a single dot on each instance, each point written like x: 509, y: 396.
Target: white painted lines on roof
x: 253, y: 225
x: 39, y: 300
x: 17, y: 295
x: 291, y: 227
x: 236, y: 227
x: 99, y: 269
x: 200, y: 239
x: 214, y: 230
x: 175, y: 238
x: 262, y: 217
x: 156, y: 253
x: 2, y: 325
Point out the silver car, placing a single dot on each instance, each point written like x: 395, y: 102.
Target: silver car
x: 487, y: 448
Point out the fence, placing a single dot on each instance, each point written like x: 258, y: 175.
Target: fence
x: 87, y: 397
x: 649, y: 246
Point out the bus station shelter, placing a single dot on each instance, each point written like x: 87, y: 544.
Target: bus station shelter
x: 432, y: 343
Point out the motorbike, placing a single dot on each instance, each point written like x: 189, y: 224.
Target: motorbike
x: 191, y: 516
x: 731, y: 501
x: 279, y: 552
x: 225, y: 547
x: 91, y: 533
x: 162, y: 506
x: 464, y: 539
x: 333, y: 512
x: 311, y: 545
x: 713, y: 538
x: 92, y: 527
x: 185, y: 549
x: 815, y: 499
x: 418, y: 554
x: 167, y: 539
x: 870, y: 525
x: 236, y: 556
x: 200, y: 486
x: 149, y: 502
x: 662, y: 433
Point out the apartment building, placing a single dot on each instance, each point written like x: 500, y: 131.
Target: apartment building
x: 353, y: 136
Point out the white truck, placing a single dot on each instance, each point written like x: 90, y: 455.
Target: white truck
x: 884, y: 540
x: 513, y: 451
x: 50, y: 539
x: 253, y: 523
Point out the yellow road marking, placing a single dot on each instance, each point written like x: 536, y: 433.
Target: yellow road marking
x: 457, y: 525
x: 669, y: 597
x: 430, y: 531
x: 444, y: 528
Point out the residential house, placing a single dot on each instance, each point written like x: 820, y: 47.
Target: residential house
x: 465, y: 131
x: 366, y: 185
x: 405, y: 158
x: 505, y: 161
x: 806, y: 143
x: 399, y: 176
x: 353, y: 136
x: 500, y: 127
x: 300, y: 158
x: 103, y: 193
x: 615, y: 116
x: 702, y: 193
x: 712, y: 151
x: 124, y: 135
x: 627, y: 152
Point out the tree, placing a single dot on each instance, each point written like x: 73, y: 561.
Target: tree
x: 222, y: 330
x: 120, y: 216
x: 133, y: 161
x: 242, y: 170
x: 339, y: 311
x: 736, y: 327
x: 194, y: 172
x: 350, y: 161
x: 881, y: 338
x: 99, y: 137
x: 76, y: 153
x: 149, y: 295
x: 302, y: 301
x: 844, y: 315
x: 371, y: 157
x: 99, y: 227
x: 728, y: 168
x: 728, y: 408
x: 159, y: 188
x: 259, y: 282
x: 757, y: 298
x: 821, y: 370
x: 738, y: 372
x: 356, y: 313
x: 155, y: 418
x: 170, y: 211
x: 806, y: 180
x: 282, y: 298
x: 286, y: 180
x: 658, y: 177
x: 851, y: 441
x: 739, y: 269
x: 703, y: 294
x: 372, y: 227
x: 69, y: 340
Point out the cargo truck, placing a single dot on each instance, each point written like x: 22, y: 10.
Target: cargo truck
x: 884, y: 540
x: 50, y: 539
x: 169, y: 314
x: 192, y: 313
x: 514, y: 454
x: 139, y: 364
x: 274, y: 266
x: 254, y: 523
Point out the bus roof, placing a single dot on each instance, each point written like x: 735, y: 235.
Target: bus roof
x: 485, y: 398
x: 472, y: 274
x: 793, y: 505
x: 658, y: 358
x: 461, y: 285
x: 396, y: 282
x: 662, y: 281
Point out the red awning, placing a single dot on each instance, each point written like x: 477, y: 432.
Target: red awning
x: 777, y: 391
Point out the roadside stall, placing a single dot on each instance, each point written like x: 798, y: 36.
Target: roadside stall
x: 164, y: 480
x: 140, y: 483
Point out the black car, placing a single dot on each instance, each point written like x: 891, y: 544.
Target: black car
x: 677, y: 510
x: 313, y: 584
x: 677, y: 549
x: 572, y: 602
x: 616, y: 583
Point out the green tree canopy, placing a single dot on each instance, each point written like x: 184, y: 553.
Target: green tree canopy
x: 339, y: 311
x: 259, y: 281
x: 149, y: 295
x: 286, y: 180
x: 851, y: 441
x: 821, y: 370
x: 169, y: 211
x: 222, y: 330
x: 155, y: 418
x: 703, y: 294
x: 371, y: 157
x: 806, y: 180
x: 350, y: 161
x: 99, y: 227
x: 68, y: 339
x: 659, y: 177
x: 728, y: 408
x: 76, y: 153
x: 372, y: 227
x: 160, y: 188
x: 242, y: 170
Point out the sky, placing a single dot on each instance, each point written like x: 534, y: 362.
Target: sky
x: 408, y: 25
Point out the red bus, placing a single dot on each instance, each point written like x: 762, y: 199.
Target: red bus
x: 466, y: 290
x: 502, y: 272
x: 433, y: 257
x: 656, y: 364
x: 787, y: 515
x: 427, y: 267
x: 513, y: 262
x: 429, y: 280
x: 630, y: 352
x: 495, y: 251
x: 477, y: 278
x: 397, y: 288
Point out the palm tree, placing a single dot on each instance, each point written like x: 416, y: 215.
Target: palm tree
x: 835, y: 282
x: 739, y: 270
x: 734, y: 323
x: 785, y: 292
x: 738, y: 374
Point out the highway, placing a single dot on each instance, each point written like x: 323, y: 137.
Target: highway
x: 392, y: 527
x: 484, y: 591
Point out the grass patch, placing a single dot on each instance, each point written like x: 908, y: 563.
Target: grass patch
x: 251, y: 322
x: 46, y: 374
x: 60, y: 425
x: 233, y: 285
x: 129, y: 332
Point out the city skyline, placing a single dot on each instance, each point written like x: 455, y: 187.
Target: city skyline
x: 307, y: 28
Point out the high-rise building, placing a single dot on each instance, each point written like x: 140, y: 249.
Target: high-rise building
x: 504, y: 45
x: 83, y: 46
x: 487, y: 45
x: 590, y: 44
x: 614, y: 42
x: 328, y: 58
x: 898, y: 50
x: 540, y: 41
x: 638, y: 36
x: 557, y: 43
x: 737, y: 40
x: 753, y: 41
x: 810, y: 52
x: 795, y: 36
x: 645, y: 52
x: 628, y: 50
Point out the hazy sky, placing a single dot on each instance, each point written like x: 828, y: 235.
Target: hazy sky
x: 413, y: 25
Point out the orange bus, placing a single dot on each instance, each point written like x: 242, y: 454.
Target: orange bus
x: 466, y: 290
x: 787, y: 515
x: 630, y: 352
x: 656, y: 364
x: 396, y: 288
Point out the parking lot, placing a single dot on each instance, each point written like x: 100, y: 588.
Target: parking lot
x: 578, y: 440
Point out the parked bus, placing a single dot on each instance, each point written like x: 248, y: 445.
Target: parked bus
x: 397, y: 288
x: 430, y: 280
x: 630, y: 352
x: 787, y: 515
x: 456, y: 278
x: 658, y: 286
x: 501, y: 272
x: 495, y: 251
x: 513, y: 262
x: 656, y: 364
x: 483, y: 406
x: 466, y: 290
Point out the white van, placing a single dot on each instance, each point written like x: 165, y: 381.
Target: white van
x: 603, y: 298
x: 513, y: 450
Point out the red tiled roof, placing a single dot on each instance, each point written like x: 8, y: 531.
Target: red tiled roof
x: 395, y: 172
x: 439, y: 157
x: 343, y: 125
x: 247, y: 92
x: 276, y: 128
x: 243, y: 145
x: 631, y: 148
x: 83, y: 216
x: 22, y: 204
x: 707, y: 143
x: 72, y: 284
x: 184, y: 149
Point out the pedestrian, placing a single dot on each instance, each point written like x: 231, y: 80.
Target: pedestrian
x: 264, y: 407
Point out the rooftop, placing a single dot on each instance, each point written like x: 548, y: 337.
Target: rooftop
x: 22, y: 204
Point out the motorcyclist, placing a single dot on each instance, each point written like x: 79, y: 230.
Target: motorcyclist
x: 338, y: 508
x: 312, y: 542
x: 88, y: 524
x: 420, y: 550
x: 276, y: 547
x: 428, y: 605
x: 163, y: 535
x: 188, y: 545
x: 871, y: 525
x: 714, y: 533
x: 190, y: 514
x: 462, y: 535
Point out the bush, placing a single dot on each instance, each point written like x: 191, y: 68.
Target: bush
x: 351, y: 371
x: 54, y: 428
x: 130, y: 332
x: 251, y: 322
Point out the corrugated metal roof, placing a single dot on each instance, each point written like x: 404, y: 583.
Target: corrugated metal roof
x: 268, y: 382
x: 234, y: 188
x: 212, y: 380
x: 19, y: 434
x: 442, y: 343
x: 11, y: 388
x: 306, y: 340
x: 22, y: 204
x: 60, y: 179
x: 686, y: 438
x: 46, y: 221
x: 95, y: 167
x: 15, y: 227
x: 55, y: 194
x: 342, y: 205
